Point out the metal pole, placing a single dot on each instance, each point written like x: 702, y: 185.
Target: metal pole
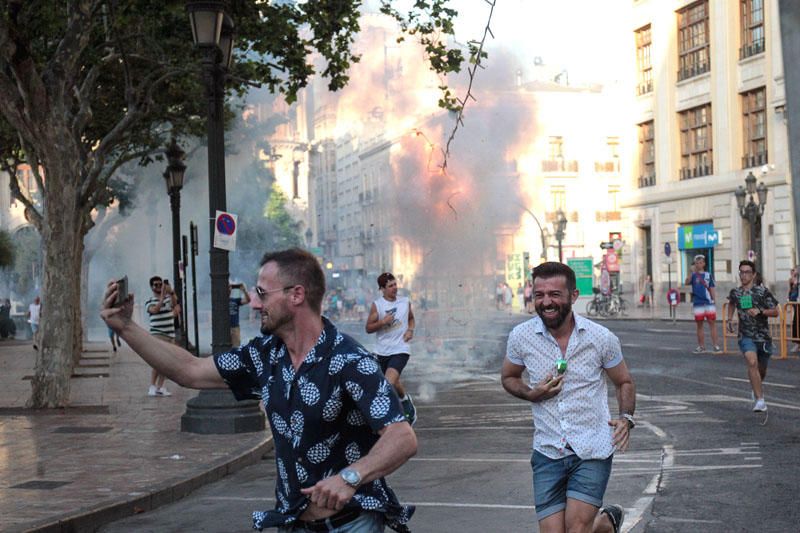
x: 560, y: 255
x: 194, y: 241
x: 175, y: 206
x: 789, y: 15
x: 751, y: 218
x: 185, y: 300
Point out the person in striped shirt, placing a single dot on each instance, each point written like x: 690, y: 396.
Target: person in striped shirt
x: 162, y: 307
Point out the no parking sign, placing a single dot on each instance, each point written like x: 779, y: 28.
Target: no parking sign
x: 225, y: 231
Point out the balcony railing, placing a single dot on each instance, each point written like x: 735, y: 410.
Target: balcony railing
x: 754, y: 160
x: 559, y: 165
x: 644, y: 88
x: 552, y: 216
x: 647, y: 181
x: 751, y: 49
x: 608, y: 216
x: 607, y: 166
x: 693, y: 70
x: 696, y: 172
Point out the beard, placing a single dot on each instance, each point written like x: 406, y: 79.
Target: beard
x: 555, y: 321
x: 273, y: 320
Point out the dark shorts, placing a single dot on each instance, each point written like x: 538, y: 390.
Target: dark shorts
x: 555, y: 480
x: 762, y: 349
x: 398, y: 361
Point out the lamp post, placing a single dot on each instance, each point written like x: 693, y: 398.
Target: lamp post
x: 752, y: 211
x: 216, y: 411
x: 561, y: 228
x: 541, y: 231
x: 174, y: 179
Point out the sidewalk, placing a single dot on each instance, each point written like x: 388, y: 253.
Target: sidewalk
x: 114, y: 452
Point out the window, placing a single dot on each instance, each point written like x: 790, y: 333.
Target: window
x: 754, y: 127
x: 643, y: 65
x: 693, y: 44
x: 555, y: 157
x: 556, y: 147
x: 611, y: 161
x: 696, y: 143
x: 558, y: 198
x: 613, y: 197
x: 647, y: 154
x: 752, y: 26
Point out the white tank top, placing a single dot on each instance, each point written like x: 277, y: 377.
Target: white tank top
x: 390, y: 338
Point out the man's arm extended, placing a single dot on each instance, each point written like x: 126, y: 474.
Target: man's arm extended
x: 397, y: 444
x: 168, y: 359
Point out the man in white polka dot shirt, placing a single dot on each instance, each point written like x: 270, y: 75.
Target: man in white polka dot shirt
x: 574, y: 435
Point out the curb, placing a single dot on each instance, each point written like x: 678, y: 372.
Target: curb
x: 169, y: 492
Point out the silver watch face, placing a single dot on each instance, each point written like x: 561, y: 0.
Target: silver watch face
x: 351, y: 477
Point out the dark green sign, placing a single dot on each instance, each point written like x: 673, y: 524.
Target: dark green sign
x: 583, y: 273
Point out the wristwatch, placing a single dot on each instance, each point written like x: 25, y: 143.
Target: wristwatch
x: 631, y: 421
x: 351, y: 477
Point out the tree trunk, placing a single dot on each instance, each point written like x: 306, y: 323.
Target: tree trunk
x: 60, y: 333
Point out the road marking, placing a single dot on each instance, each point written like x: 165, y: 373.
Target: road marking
x: 768, y: 383
x: 469, y: 405
x: 464, y: 428
x: 418, y: 504
x: 653, y: 330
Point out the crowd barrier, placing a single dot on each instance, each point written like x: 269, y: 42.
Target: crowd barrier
x: 780, y: 329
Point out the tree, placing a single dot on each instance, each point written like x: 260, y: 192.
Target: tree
x: 89, y: 85
x: 7, y: 251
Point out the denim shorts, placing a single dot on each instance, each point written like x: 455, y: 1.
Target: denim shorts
x: 367, y: 522
x: 555, y: 480
x: 763, y: 349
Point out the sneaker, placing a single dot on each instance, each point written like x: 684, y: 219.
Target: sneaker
x: 152, y: 391
x: 163, y: 392
x: 760, y: 406
x: 410, y: 410
x: 699, y: 349
x: 717, y: 349
x: 616, y: 514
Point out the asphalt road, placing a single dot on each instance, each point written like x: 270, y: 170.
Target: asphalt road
x: 700, y: 460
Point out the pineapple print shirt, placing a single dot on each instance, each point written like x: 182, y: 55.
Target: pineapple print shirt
x: 324, y: 417
x: 578, y: 416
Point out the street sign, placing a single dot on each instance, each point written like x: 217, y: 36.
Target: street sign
x: 606, y: 245
x: 616, y: 244
x: 673, y: 298
x: 612, y: 261
x: 667, y: 249
x: 225, y: 231
x: 751, y: 255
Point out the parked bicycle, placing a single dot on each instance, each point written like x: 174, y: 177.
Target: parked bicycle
x: 609, y: 305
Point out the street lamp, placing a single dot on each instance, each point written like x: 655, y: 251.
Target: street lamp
x: 174, y: 179
x: 216, y: 411
x: 752, y: 211
x: 542, y: 233
x: 561, y: 228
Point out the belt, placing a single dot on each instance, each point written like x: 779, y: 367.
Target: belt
x: 327, y: 524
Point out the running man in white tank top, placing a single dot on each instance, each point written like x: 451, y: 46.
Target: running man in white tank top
x: 392, y: 321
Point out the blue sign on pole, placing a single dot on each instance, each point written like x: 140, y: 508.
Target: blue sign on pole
x: 667, y: 249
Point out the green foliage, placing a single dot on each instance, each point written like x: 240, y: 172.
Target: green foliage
x: 7, y: 249
x: 286, y: 230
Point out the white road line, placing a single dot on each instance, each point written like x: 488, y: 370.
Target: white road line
x: 465, y: 428
x: 418, y: 504
x: 767, y: 383
x: 520, y: 405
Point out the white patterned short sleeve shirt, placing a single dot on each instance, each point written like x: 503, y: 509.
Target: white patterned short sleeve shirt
x: 578, y: 416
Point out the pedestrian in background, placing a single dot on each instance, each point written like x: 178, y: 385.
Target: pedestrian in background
x: 794, y: 292
x: 528, y: 297
x: 34, y: 315
x: 7, y: 326
x: 162, y: 307
x: 392, y: 321
x: 755, y: 304
x: 567, y: 358
x: 114, y: 338
x: 703, y: 303
x: 237, y: 297
x: 337, y: 425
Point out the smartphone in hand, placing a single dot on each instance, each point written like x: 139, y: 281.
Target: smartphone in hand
x: 122, y: 291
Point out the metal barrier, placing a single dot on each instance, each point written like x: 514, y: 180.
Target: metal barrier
x: 779, y: 329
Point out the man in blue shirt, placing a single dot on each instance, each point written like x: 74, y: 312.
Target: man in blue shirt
x: 337, y: 423
x: 703, y: 298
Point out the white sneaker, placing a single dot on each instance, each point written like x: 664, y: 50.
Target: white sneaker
x: 152, y: 391
x: 760, y: 406
x: 163, y: 392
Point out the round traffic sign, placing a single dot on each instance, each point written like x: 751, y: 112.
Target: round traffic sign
x: 667, y: 249
x: 225, y: 224
x: 617, y: 244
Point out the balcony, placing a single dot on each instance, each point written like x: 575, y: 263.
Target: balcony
x: 560, y: 165
x: 751, y: 49
x: 611, y: 166
x: 644, y: 88
x: 693, y: 70
x: 696, y: 172
x: 754, y: 160
x: 552, y: 216
x: 647, y: 181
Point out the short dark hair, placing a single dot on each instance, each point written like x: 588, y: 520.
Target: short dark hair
x: 552, y: 269
x: 154, y: 279
x: 300, y: 267
x: 385, y: 278
x: 747, y: 262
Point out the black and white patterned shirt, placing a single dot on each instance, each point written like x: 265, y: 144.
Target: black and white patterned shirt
x: 324, y: 417
x: 753, y: 327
